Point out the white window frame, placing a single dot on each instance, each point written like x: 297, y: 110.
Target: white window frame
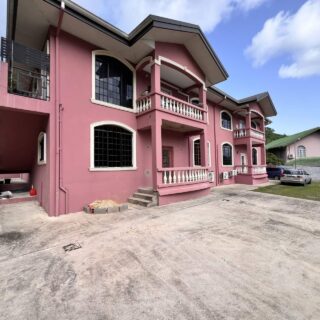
x: 134, y: 147
x: 193, y: 141
x: 209, y: 153
x: 298, y: 153
x: 221, y: 120
x: 254, y: 148
x: 232, y: 155
x: 195, y: 99
x: 42, y: 135
x: 93, y: 81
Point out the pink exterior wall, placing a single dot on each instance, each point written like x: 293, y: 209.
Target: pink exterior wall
x: 311, y: 143
x: 180, y: 54
x: 67, y: 183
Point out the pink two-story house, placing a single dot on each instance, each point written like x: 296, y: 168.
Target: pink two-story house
x: 91, y: 112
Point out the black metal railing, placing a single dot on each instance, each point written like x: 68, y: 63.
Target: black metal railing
x: 28, y: 70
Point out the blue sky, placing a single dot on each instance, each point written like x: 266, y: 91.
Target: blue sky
x: 265, y: 45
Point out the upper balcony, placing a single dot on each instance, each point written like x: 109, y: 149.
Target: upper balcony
x: 27, y: 70
x: 174, y: 90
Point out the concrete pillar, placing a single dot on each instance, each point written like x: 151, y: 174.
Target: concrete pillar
x: 155, y: 85
x: 203, y: 148
x: 249, y: 155
x: 263, y: 155
x: 156, y: 142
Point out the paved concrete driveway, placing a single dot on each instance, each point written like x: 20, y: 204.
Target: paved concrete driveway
x: 235, y: 254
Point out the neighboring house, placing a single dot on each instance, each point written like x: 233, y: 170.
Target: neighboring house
x: 93, y: 113
x: 305, y: 144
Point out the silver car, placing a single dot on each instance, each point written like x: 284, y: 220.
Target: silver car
x: 296, y: 176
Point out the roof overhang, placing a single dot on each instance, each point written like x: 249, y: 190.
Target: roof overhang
x: 28, y: 23
x: 223, y: 99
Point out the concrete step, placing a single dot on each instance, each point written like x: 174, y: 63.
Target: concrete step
x: 144, y: 196
x: 146, y: 190
x: 139, y: 201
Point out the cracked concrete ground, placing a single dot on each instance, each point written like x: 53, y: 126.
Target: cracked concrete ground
x: 234, y: 254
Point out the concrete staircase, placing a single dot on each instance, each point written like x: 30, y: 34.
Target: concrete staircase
x: 145, y: 197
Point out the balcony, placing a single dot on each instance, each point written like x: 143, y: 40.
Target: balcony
x: 172, y: 105
x: 248, y: 133
x: 28, y: 70
x: 251, y: 170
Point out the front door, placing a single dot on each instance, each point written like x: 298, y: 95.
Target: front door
x: 167, y: 157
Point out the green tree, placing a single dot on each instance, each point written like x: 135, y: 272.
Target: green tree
x: 271, y: 135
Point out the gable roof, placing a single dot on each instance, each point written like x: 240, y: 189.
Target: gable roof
x: 28, y: 23
x: 225, y: 100
x: 285, y: 141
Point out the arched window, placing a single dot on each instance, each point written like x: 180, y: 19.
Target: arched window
x: 196, y: 152
x: 227, y: 158
x: 301, y: 151
x: 254, y: 156
x: 113, y: 146
x: 226, y: 120
x: 195, y: 101
x: 42, y: 148
x: 113, y: 81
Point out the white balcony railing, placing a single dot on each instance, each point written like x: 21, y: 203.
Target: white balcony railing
x: 253, y: 133
x: 259, y: 169
x: 143, y: 104
x: 257, y: 134
x: 244, y: 169
x: 175, y: 176
x: 181, y: 107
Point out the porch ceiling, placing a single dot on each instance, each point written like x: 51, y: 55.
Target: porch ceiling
x: 28, y: 23
x: 168, y: 125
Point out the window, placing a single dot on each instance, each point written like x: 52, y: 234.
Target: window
x: 113, y: 146
x: 195, y: 101
x: 301, y: 152
x: 42, y: 148
x: 226, y: 121
x: 227, y: 154
x: 113, y: 82
x: 254, y: 156
x: 196, y: 152
x: 254, y: 125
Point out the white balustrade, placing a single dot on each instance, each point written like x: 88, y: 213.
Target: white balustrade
x: 240, y: 133
x: 259, y: 170
x: 143, y: 104
x: 257, y: 134
x: 173, y: 176
x: 180, y: 107
x: 242, y: 169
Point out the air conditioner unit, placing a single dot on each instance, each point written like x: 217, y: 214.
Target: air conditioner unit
x: 234, y: 172
x: 290, y: 156
x: 225, y: 175
x: 211, y: 176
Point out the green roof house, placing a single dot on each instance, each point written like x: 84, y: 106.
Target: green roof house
x: 305, y: 144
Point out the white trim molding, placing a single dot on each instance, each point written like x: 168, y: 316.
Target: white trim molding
x: 93, y: 81
x: 258, y: 158
x: 230, y: 115
x: 194, y: 139
x: 134, y: 147
x: 184, y: 68
x: 42, y: 135
x: 209, y: 154
x: 232, y: 155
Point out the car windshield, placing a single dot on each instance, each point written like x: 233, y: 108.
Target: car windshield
x: 294, y: 172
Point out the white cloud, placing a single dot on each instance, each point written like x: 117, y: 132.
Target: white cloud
x: 294, y: 35
x: 127, y: 14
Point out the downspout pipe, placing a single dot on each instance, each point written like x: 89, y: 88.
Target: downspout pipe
x: 58, y: 118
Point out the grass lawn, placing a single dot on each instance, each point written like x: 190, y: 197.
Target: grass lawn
x: 310, y: 191
x: 309, y: 162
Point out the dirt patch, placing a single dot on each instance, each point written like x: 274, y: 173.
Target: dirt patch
x: 11, y: 236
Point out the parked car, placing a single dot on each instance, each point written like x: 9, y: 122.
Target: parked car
x: 296, y: 176
x: 275, y: 172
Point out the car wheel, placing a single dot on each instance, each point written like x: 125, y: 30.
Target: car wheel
x: 309, y: 181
